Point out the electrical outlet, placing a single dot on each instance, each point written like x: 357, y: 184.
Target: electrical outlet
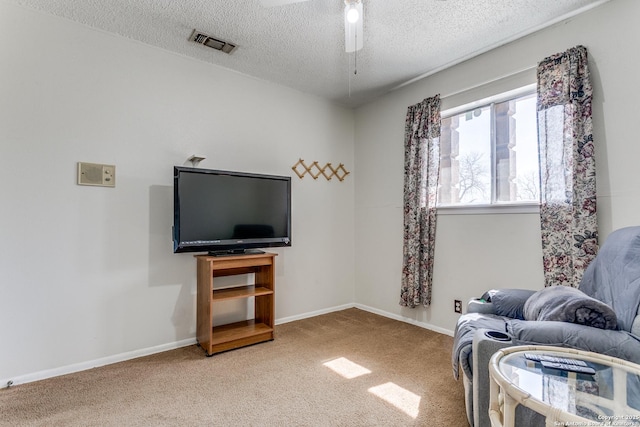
x: 457, y: 306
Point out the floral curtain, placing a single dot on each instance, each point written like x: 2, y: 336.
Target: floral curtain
x: 567, y: 167
x: 421, y: 171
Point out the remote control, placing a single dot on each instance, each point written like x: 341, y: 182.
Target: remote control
x: 547, y: 358
x: 565, y: 367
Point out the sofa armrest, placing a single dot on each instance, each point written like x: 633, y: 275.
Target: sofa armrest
x: 484, y: 346
x: 620, y: 344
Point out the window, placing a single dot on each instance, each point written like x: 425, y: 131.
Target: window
x: 489, y: 152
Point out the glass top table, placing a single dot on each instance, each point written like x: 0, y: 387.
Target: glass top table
x: 609, y: 397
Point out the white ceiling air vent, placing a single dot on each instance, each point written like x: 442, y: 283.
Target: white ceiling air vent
x: 217, y: 44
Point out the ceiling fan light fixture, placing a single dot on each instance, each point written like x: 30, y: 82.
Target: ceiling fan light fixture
x: 352, y: 14
x: 353, y: 28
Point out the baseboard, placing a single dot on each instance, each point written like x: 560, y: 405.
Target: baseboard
x: 405, y: 319
x: 83, y: 366
x: 370, y: 310
x: 90, y: 364
x: 313, y: 314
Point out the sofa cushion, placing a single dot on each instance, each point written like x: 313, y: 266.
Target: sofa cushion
x: 635, y: 327
x: 566, y: 304
x: 508, y: 302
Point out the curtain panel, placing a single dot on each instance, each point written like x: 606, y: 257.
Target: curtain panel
x: 567, y: 167
x: 421, y: 173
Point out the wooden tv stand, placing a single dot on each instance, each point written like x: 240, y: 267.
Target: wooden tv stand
x: 215, y: 339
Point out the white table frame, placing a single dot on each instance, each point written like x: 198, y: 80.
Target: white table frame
x: 505, y: 396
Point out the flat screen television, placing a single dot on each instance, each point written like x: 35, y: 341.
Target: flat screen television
x: 224, y: 212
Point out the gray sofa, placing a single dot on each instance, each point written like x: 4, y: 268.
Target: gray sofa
x: 600, y: 316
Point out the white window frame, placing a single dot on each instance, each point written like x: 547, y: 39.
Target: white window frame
x: 494, y: 207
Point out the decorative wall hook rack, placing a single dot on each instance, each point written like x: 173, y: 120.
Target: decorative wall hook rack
x: 328, y: 171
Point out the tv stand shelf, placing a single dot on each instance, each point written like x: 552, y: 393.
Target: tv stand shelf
x: 240, y: 292
x: 216, y: 339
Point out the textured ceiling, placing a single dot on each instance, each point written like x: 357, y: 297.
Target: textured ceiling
x: 301, y: 45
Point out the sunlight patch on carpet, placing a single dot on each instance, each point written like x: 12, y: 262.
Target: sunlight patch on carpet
x: 401, y: 398
x: 346, y: 368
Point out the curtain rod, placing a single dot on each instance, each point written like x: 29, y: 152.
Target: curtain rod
x: 505, y: 76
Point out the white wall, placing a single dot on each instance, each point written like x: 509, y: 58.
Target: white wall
x: 475, y: 253
x: 88, y: 272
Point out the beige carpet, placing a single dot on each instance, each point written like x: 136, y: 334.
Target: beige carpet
x: 348, y: 368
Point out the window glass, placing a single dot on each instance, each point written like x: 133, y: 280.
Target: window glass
x: 489, y: 154
x: 526, y: 159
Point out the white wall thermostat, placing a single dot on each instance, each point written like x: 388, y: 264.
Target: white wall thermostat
x: 96, y: 174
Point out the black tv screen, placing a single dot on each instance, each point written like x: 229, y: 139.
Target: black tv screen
x: 228, y: 212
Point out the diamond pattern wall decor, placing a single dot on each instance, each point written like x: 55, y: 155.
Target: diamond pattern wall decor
x: 328, y: 171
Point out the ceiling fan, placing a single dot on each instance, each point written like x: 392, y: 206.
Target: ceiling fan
x: 353, y: 17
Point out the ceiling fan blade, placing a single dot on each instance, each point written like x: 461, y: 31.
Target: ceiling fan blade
x: 272, y: 3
